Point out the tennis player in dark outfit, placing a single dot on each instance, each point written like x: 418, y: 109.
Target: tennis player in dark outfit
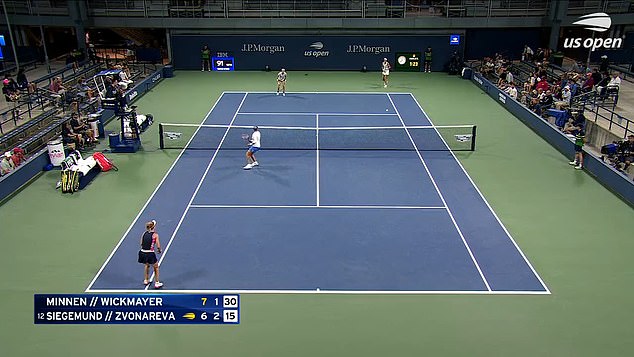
x: 149, y: 241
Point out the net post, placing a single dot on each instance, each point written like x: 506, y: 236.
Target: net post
x: 473, y: 138
x: 161, y: 143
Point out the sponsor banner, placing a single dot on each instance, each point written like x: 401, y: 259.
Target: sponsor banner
x: 478, y: 80
x: 310, y: 52
x: 148, y: 83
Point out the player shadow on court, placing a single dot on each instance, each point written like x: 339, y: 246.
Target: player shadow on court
x: 277, y: 173
x: 288, y: 95
x: 272, y: 172
x: 179, y: 281
x: 391, y: 88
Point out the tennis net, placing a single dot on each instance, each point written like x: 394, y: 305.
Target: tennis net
x: 404, y: 138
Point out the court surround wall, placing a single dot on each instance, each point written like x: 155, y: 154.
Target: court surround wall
x: 606, y: 175
x: 311, y: 52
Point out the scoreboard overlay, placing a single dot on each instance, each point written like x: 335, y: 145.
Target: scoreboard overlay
x: 197, y: 309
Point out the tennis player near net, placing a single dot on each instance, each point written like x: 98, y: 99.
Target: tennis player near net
x: 281, y: 82
x: 254, y: 146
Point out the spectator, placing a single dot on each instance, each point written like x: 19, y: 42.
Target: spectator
x: 83, y: 88
x: 545, y: 102
x: 536, y: 96
x: 24, y: 83
x: 57, y: 90
x: 528, y: 53
x: 532, y: 81
x: 124, y: 80
x: 539, y: 54
x: 615, y: 82
x: 611, y: 88
x: 603, y: 64
x: 10, y: 92
x: 69, y: 136
x: 563, y: 82
x: 82, y: 128
x: 588, y: 84
x: 509, y: 76
x: 542, y: 84
x: 565, y: 99
x: 92, y: 54
x: 511, y: 91
x: 570, y: 128
x: 71, y: 60
x: 574, y: 88
x: 596, y: 76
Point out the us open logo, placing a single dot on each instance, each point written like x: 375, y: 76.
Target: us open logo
x: 597, y: 22
x: 317, y: 50
x: 463, y: 138
x: 172, y: 135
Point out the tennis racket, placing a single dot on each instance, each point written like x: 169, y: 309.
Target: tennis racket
x: 246, y: 138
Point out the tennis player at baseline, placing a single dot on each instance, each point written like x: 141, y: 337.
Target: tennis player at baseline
x: 385, y: 71
x: 149, y: 241
x: 281, y: 82
x: 254, y: 146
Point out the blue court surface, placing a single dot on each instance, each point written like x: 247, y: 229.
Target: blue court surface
x: 313, y: 216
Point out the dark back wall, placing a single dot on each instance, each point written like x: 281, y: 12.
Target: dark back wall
x: 509, y: 42
x: 310, y: 52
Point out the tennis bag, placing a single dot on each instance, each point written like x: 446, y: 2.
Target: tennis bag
x: 70, y: 181
x: 104, y: 163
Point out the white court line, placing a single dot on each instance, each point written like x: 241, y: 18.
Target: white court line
x: 198, y: 187
x: 323, y: 128
x: 486, y: 202
x: 441, y: 197
x: 366, y: 93
x: 320, y: 206
x: 103, y: 266
x: 327, y: 292
x: 317, y: 154
x: 320, y: 113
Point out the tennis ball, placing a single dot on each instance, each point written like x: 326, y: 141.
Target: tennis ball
x: 387, y: 110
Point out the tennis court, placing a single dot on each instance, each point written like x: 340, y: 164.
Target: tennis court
x: 355, y: 193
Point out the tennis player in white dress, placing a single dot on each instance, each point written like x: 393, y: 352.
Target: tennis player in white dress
x: 385, y: 70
